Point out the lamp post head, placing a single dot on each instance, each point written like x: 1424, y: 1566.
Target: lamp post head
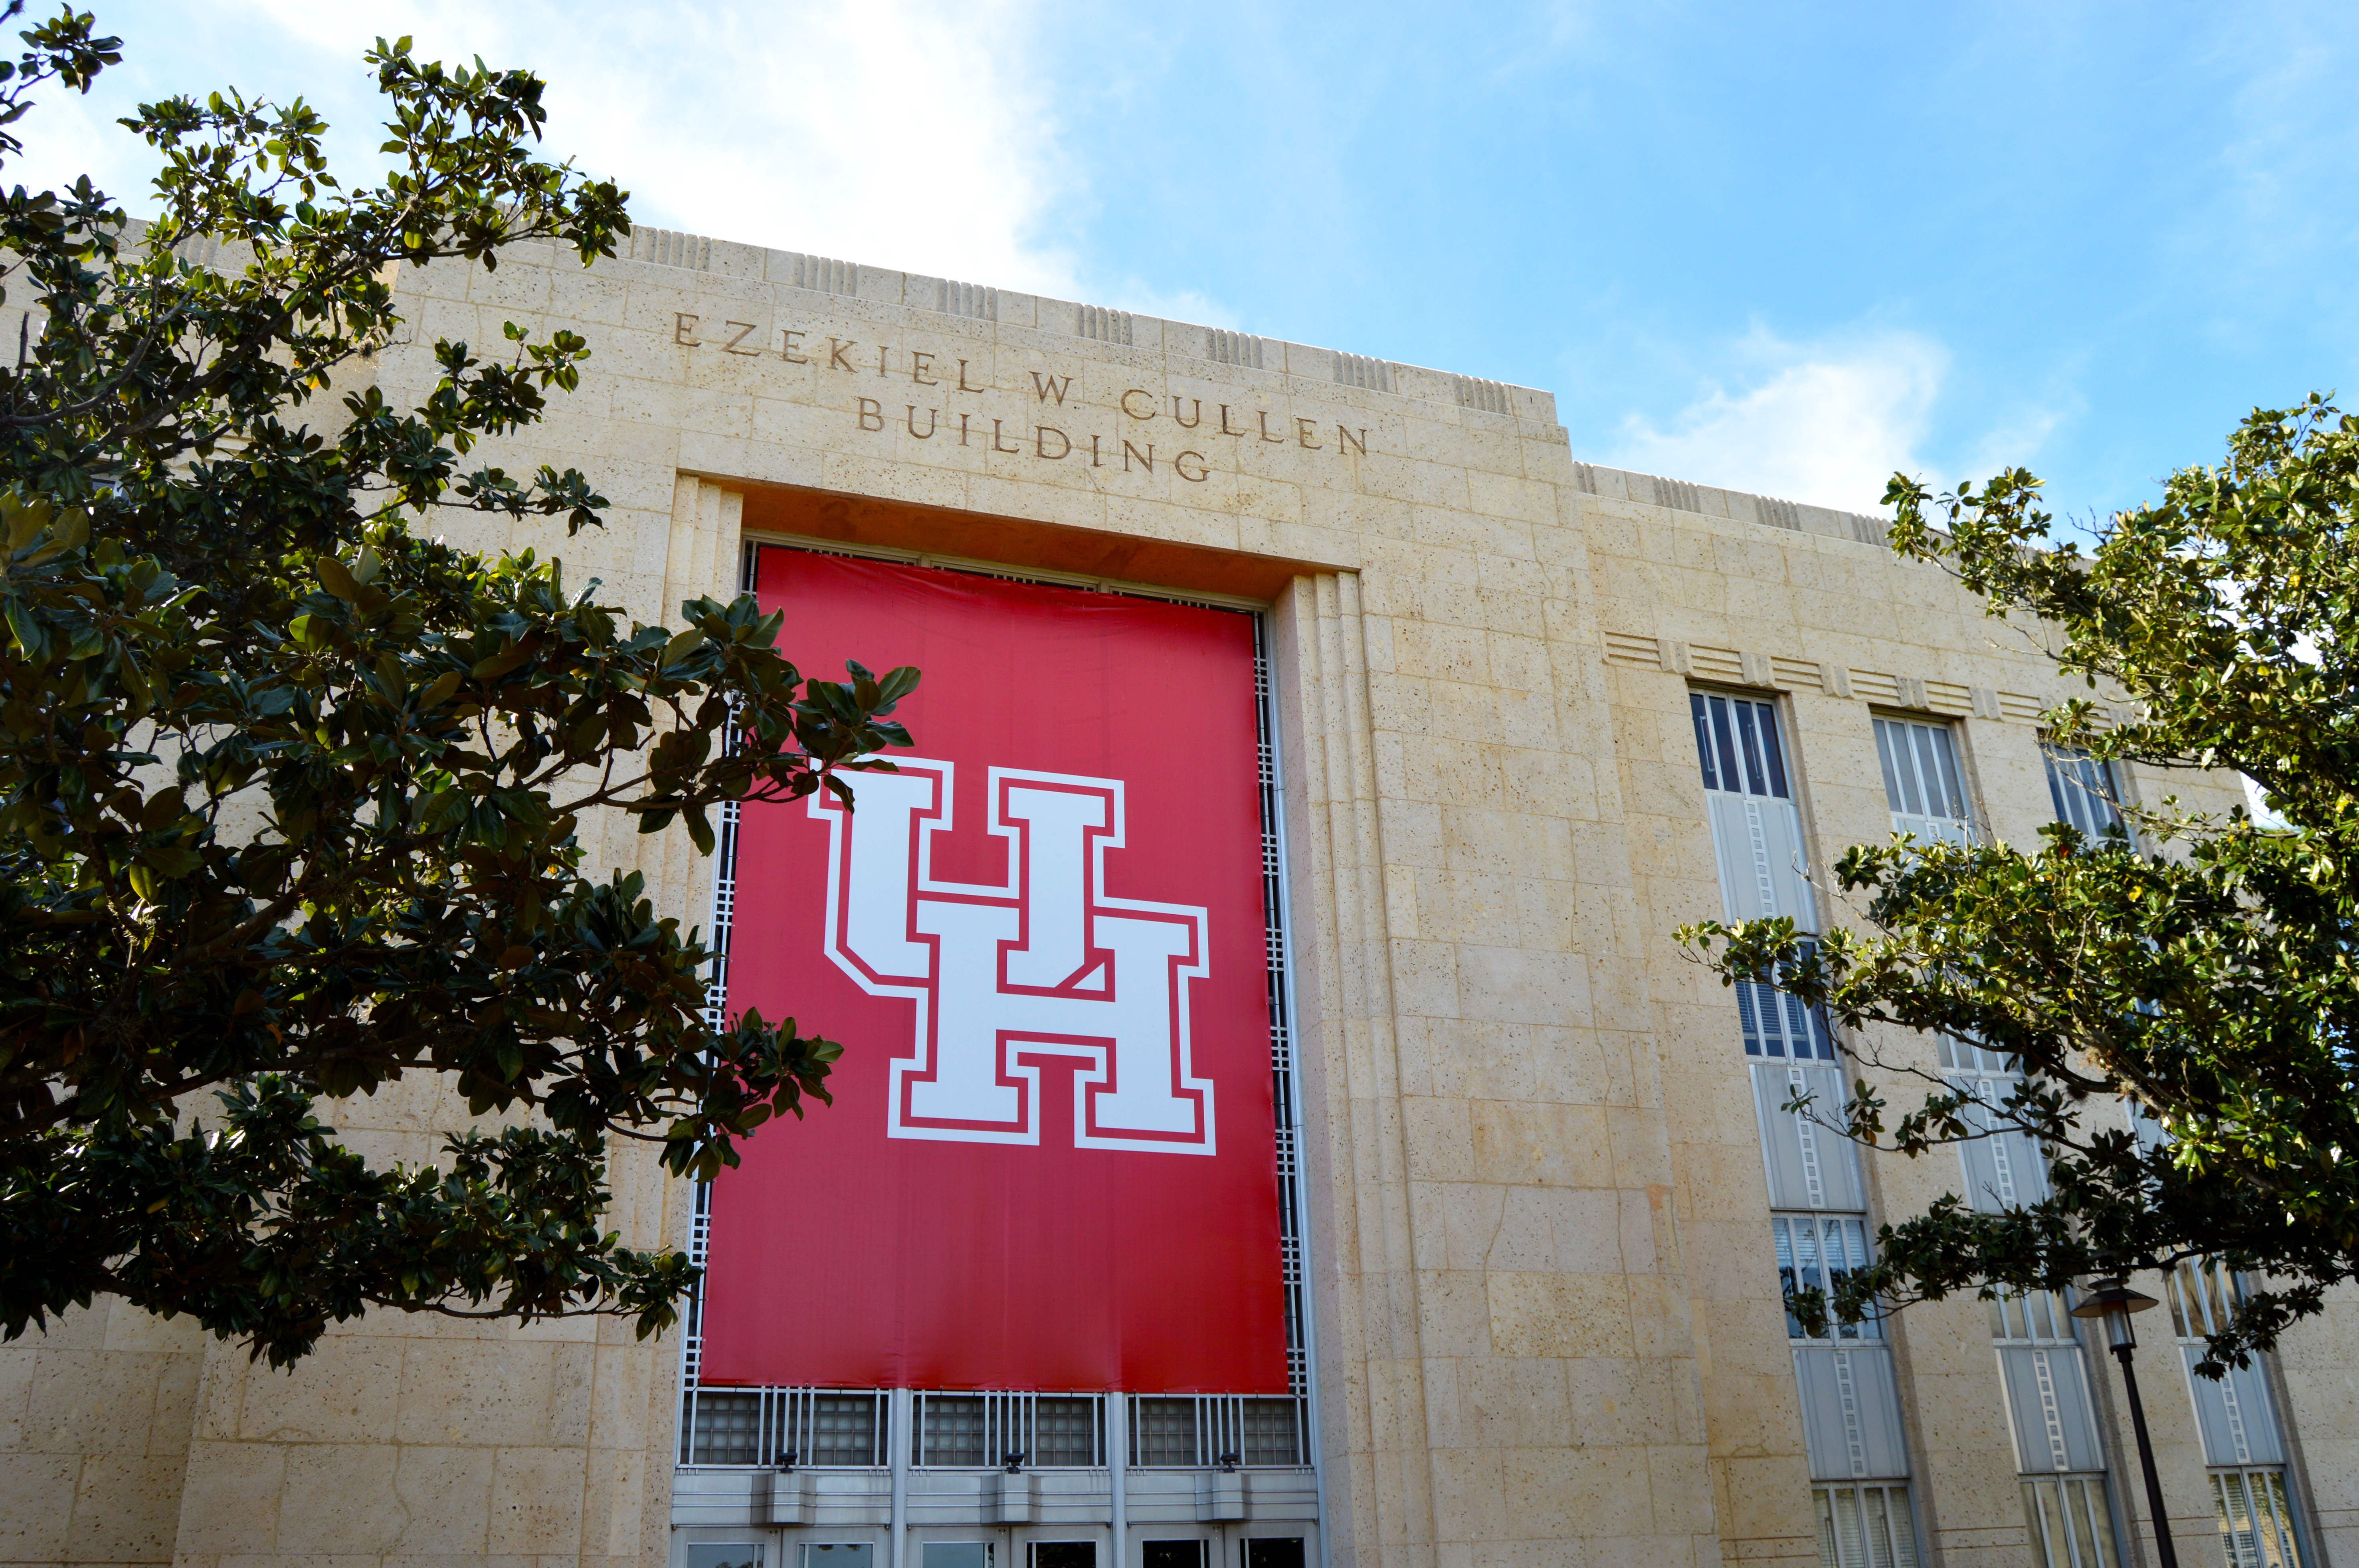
x: 2113, y: 1300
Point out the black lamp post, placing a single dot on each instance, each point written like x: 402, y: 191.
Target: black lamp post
x: 2113, y: 1300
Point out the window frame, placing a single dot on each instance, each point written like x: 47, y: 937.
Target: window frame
x: 1901, y: 1518
x: 2035, y: 1522
x: 1730, y: 746
x: 2285, y: 1507
x: 1820, y: 1224
x: 2064, y: 767
x: 1886, y: 729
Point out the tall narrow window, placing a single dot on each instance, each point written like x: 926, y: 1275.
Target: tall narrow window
x: 2237, y: 1421
x: 2058, y: 1451
x: 2083, y: 789
x: 1843, y: 1377
x: 1757, y: 838
x: 1851, y: 1400
x: 1921, y: 782
x: 2042, y: 1369
x: 2004, y: 1168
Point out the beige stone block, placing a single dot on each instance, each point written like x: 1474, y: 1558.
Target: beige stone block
x: 1458, y: 1223
x: 90, y: 1401
x: 1766, y: 1497
x: 1559, y: 1314
x: 536, y: 1501
x: 1469, y: 1503
x: 1453, y: 1315
x: 127, y: 1328
x: 1552, y: 1144
x: 444, y: 1497
x: 339, y: 1498
x: 611, y: 1517
x: 510, y: 1392
x: 1620, y: 1403
x: 17, y: 1366
x: 1439, y: 1139
x: 1425, y: 978
x: 345, y: 1392
x: 1579, y: 1492
x: 36, y: 1503
x: 1521, y: 1402
x: 231, y: 1499
x: 1520, y: 985
x: 126, y: 1508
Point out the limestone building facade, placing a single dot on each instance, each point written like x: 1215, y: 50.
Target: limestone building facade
x: 1528, y: 715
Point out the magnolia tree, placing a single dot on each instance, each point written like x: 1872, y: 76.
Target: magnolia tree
x: 2206, y: 969
x: 291, y: 789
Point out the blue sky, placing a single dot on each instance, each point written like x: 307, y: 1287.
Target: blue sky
x: 1778, y: 248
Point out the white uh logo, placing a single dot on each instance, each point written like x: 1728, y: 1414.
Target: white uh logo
x: 1005, y: 977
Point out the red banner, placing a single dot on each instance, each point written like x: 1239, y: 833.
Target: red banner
x: 1050, y: 1163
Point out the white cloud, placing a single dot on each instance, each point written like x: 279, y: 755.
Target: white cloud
x: 1825, y: 423
x: 900, y: 133
x: 2014, y: 441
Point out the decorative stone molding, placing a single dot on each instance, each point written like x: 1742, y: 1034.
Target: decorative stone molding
x: 1679, y: 495
x: 671, y: 247
x: 822, y: 274
x: 1371, y: 375
x: 1233, y: 347
x: 1630, y: 648
x: 967, y: 299
x: 1485, y: 397
x: 2018, y: 708
x: 1106, y: 326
